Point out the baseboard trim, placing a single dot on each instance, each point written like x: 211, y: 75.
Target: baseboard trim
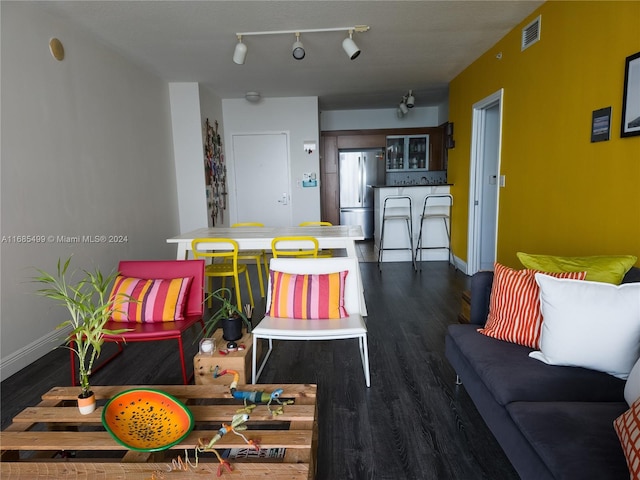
x: 23, y: 357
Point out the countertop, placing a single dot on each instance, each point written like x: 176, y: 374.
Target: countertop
x: 414, y: 185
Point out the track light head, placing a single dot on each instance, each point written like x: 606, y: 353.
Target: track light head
x: 240, y: 53
x: 298, y: 49
x: 403, y: 106
x: 350, y: 47
x: 410, y: 99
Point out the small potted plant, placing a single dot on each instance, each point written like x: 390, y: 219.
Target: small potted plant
x: 89, y: 307
x: 228, y: 314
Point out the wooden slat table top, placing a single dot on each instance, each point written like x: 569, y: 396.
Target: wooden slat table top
x: 102, y: 440
x: 201, y: 413
x: 194, y: 392
x: 67, y: 430
x: 146, y: 471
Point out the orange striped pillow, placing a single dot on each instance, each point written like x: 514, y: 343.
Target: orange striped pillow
x: 514, y: 305
x: 627, y: 426
x: 310, y: 296
x: 143, y: 300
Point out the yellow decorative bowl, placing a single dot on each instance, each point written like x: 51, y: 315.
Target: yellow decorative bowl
x: 147, y: 420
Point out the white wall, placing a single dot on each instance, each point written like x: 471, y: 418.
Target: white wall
x: 188, y: 152
x: 379, y: 118
x: 86, y: 150
x: 298, y: 116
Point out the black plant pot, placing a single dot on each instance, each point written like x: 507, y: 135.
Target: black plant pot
x: 232, y: 329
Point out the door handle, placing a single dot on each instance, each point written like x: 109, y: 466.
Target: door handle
x: 284, y: 200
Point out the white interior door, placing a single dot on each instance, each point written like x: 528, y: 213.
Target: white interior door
x: 261, y: 174
x: 484, y: 183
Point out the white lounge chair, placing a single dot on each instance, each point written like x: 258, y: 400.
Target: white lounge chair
x: 353, y: 326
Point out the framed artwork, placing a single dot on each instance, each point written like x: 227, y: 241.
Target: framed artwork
x: 601, y: 124
x: 631, y: 97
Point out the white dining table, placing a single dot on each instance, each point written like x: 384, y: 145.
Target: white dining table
x: 259, y: 238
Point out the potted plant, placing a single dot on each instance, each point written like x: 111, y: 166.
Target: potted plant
x: 228, y: 314
x: 89, y: 307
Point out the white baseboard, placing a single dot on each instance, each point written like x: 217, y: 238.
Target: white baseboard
x: 460, y: 265
x: 23, y: 357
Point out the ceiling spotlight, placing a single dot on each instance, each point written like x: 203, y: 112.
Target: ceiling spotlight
x: 403, y: 106
x: 240, y: 52
x: 410, y: 99
x: 350, y: 47
x: 298, y: 48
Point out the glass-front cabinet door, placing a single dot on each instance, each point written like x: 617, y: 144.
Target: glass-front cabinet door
x: 395, y: 153
x: 418, y: 153
x: 407, y: 153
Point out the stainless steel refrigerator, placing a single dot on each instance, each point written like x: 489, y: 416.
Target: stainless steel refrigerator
x: 358, y: 171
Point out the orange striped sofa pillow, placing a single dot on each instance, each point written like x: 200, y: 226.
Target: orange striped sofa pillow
x: 514, y: 305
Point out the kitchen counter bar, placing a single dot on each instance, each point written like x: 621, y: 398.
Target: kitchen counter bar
x: 434, y: 233
x: 413, y: 185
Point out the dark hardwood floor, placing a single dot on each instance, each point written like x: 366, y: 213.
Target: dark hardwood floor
x: 413, y: 423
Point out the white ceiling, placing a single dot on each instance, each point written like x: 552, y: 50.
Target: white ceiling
x: 418, y: 45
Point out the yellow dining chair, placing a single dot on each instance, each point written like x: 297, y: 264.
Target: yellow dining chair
x: 259, y: 256
x: 226, y: 250
x: 322, y: 253
x: 300, y: 246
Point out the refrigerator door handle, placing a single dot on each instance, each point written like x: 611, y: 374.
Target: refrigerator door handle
x: 360, y: 200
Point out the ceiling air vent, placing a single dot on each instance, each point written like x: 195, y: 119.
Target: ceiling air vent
x: 531, y: 33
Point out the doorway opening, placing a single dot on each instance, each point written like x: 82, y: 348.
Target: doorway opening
x: 485, y: 182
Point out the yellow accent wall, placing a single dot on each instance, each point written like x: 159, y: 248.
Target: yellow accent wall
x: 564, y: 195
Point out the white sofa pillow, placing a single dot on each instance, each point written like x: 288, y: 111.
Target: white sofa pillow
x: 589, y: 324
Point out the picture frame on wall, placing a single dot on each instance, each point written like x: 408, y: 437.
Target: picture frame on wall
x: 600, y: 124
x: 631, y: 97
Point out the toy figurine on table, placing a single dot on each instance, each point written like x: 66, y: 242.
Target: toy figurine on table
x: 254, y: 396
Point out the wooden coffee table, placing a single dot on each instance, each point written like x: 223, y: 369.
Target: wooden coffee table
x: 74, y: 445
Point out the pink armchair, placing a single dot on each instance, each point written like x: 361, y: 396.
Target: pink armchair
x: 169, y: 330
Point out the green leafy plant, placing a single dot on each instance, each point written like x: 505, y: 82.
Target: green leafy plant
x: 89, y: 307
x: 226, y: 309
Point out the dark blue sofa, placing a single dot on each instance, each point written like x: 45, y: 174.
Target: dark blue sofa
x: 552, y: 422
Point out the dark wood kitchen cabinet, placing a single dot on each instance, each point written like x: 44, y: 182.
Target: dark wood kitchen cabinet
x: 331, y: 142
x: 329, y: 181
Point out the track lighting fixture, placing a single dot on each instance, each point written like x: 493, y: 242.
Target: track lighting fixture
x: 407, y: 102
x: 350, y: 47
x: 297, y: 50
x: 240, y: 53
x: 410, y: 99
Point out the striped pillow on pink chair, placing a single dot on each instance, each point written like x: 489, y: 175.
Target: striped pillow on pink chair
x: 146, y: 300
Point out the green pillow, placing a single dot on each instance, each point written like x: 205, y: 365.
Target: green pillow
x: 599, y: 268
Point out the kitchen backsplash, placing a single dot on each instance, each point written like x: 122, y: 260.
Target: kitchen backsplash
x: 417, y: 178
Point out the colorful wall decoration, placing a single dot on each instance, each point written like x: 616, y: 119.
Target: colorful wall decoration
x: 215, y: 174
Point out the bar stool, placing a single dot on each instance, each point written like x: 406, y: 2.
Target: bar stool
x: 435, y: 206
x: 396, y: 207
